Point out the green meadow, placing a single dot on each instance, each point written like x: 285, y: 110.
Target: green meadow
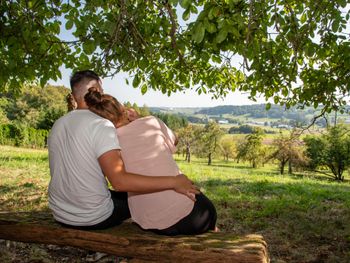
x: 303, y: 217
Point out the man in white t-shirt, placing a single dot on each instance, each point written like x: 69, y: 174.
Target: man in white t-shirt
x: 83, y: 152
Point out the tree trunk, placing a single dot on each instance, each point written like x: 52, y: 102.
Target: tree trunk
x: 282, y: 167
x: 209, y: 159
x: 339, y: 175
x: 188, y: 154
x: 128, y: 240
x: 290, y: 167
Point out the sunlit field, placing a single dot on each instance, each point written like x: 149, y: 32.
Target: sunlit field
x: 303, y: 217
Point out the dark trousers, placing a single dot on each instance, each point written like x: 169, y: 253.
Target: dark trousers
x: 120, y: 213
x: 201, y: 219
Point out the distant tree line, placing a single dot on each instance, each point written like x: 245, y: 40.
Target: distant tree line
x: 27, y: 117
x: 293, y: 116
x: 245, y: 129
x: 15, y: 135
x: 173, y: 121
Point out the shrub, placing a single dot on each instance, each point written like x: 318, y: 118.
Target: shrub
x: 17, y: 135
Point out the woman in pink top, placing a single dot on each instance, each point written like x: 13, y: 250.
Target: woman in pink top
x: 147, y: 147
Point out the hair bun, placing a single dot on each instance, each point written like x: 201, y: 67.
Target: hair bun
x: 93, y: 97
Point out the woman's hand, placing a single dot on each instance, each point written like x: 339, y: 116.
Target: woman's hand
x: 186, y: 186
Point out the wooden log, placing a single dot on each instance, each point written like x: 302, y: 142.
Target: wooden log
x: 128, y: 240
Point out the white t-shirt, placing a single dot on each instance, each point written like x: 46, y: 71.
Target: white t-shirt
x: 78, y: 190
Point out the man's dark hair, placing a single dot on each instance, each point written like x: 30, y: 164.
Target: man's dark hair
x: 83, y: 74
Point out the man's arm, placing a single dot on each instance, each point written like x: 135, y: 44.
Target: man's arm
x: 113, y: 168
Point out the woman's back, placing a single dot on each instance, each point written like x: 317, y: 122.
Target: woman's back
x: 147, y: 147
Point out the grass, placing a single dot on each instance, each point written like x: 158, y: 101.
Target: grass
x: 24, y: 177
x: 303, y: 217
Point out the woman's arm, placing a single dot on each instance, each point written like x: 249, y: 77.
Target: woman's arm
x: 113, y: 168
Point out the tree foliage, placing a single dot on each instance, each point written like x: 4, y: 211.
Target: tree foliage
x: 34, y: 106
x: 188, y: 139
x: 252, y: 149
x: 332, y: 150
x: 287, y: 151
x: 227, y: 148
x: 173, y: 121
x: 290, y: 51
x: 209, y: 140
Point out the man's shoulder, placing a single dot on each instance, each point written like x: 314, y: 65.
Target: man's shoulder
x: 83, y: 115
x: 81, y: 119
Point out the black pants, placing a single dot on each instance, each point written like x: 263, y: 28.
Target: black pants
x: 120, y: 213
x: 201, y: 219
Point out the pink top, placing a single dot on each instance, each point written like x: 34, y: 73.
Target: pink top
x: 147, y: 147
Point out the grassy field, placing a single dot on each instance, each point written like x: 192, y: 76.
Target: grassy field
x: 303, y: 217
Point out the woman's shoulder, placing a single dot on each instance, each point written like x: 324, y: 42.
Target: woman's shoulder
x: 137, y: 123
x: 146, y: 119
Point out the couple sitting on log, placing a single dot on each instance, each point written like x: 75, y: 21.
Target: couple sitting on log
x: 101, y: 139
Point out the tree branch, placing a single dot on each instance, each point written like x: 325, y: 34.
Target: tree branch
x: 173, y: 31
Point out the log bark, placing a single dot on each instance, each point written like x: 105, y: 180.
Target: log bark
x: 128, y: 240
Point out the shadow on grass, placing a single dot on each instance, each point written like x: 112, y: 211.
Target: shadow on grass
x: 316, y: 176
x: 300, y: 220
x: 289, y: 187
x: 24, y: 158
x: 19, y: 197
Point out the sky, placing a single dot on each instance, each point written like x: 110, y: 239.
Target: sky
x: 118, y: 88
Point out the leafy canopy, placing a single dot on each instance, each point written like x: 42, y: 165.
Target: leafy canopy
x: 332, y: 150
x: 290, y: 51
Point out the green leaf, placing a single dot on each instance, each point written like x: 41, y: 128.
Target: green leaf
x: 268, y: 106
x: 210, y: 27
x: 186, y: 14
x: 285, y: 92
x: 235, y: 32
x: 89, y: 47
x: 214, y: 12
x: 310, y: 51
x: 194, y: 9
x: 56, y: 27
x: 69, y: 24
x: 335, y: 25
x: 199, y: 32
x: 84, y: 59
x: 143, y: 64
x: 221, y: 36
x: 303, y: 18
x: 136, y: 81
x: 216, y: 59
x: 185, y: 4
x: 144, y: 89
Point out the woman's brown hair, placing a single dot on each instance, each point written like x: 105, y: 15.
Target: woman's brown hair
x: 104, y: 105
x: 71, y: 103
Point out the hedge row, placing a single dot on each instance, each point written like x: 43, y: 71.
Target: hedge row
x: 15, y: 135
